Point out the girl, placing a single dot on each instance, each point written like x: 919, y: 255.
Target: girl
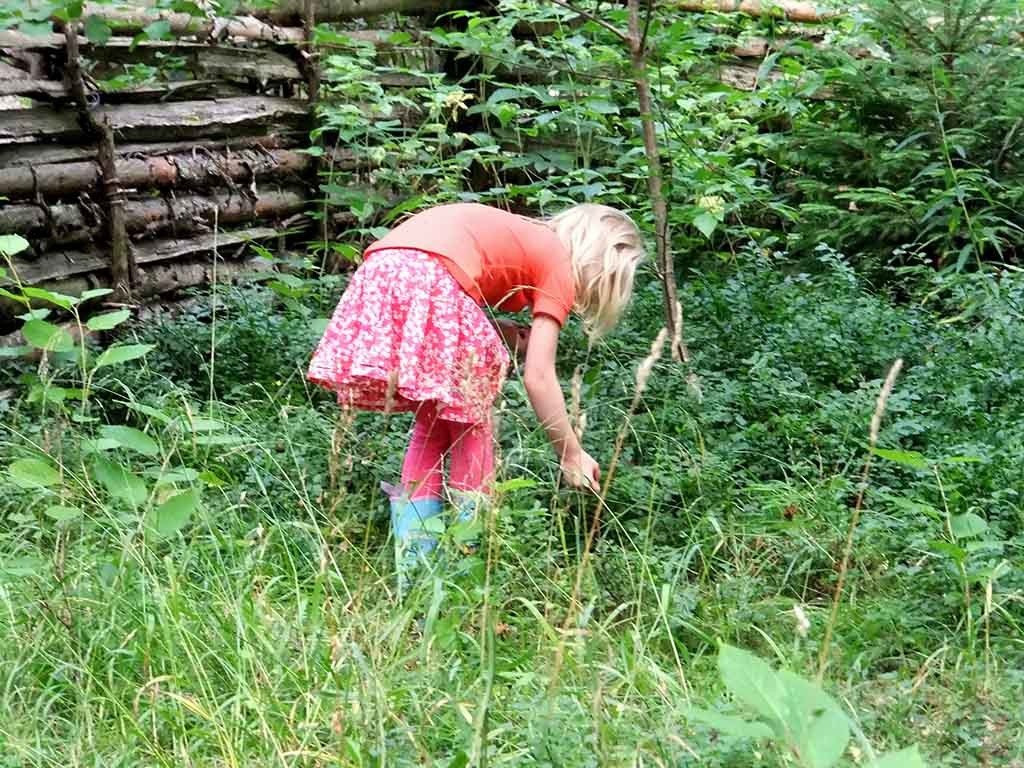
x: 410, y: 334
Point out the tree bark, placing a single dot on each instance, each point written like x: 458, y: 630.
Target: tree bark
x: 23, y: 155
x: 69, y: 223
x: 178, y: 171
x: 790, y: 10
x: 122, y: 266
x: 67, y: 264
x: 243, y: 116
x: 241, y: 27
x: 638, y: 55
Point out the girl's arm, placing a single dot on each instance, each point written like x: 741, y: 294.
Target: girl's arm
x: 548, y: 402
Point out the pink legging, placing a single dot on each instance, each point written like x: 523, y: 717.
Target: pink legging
x: 470, y: 448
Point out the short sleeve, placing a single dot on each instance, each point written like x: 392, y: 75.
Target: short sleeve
x: 554, y: 294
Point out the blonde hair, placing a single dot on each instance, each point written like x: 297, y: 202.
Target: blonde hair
x: 605, y: 247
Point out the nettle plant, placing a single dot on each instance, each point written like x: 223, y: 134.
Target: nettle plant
x: 538, y: 109
x: 121, y: 469
x: 793, y: 716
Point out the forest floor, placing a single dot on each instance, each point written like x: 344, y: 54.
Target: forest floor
x: 214, y: 585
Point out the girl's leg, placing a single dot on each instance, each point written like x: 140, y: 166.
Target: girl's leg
x: 470, y: 476
x: 472, y: 457
x: 424, y: 460
x: 416, y: 520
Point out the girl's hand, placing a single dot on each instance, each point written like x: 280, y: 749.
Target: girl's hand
x: 581, y: 471
x: 516, y: 336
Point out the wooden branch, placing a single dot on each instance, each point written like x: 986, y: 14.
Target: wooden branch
x: 122, y: 266
x: 595, y: 19
x: 662, y: 238
x: 792, y: 10
x: 179, y: 120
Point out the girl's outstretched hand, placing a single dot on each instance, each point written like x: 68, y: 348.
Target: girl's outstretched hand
x: 516, y: 336
x: 582, y: 471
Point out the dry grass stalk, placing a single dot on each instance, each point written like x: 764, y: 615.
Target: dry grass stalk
x: 574, y: 408
x: 876, y: 423
x: 643, y: 374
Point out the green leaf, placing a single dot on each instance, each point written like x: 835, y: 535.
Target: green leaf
x: 818, y: 730
x: 706, y: 223
x: 59, y: 299
x: 107, y: 321
x: 729, y: 725
x: 968, y: 525
x: 61, y: 513
x: 132, y: 439
x: 951, y: 551
x: 96, y: 30
x: 119, y: 482
x: 153, y: 413
x: 158, y: 30
x: 95, y: 293
x: 905, y: 758
x: 122, y: 353
x: 102, y: 444
x: 21, y: 566
x: 173, y: 515
x: 14, y: 351
x: 911, y: 459
x: 43, y: 335
x: 754, y: 683
x: 11, y: 245
x: 33, y: 473
x: 515, y: 484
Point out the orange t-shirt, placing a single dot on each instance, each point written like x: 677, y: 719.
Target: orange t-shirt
x: 505, y: 261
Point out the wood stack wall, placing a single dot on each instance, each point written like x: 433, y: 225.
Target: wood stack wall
x: 208, y: 159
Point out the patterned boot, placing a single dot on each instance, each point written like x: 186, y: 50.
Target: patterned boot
x: 417, y: 526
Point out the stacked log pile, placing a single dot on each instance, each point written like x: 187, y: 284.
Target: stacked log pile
x: 206, y: 157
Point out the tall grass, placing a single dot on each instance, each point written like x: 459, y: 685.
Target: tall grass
x: 266, y: 631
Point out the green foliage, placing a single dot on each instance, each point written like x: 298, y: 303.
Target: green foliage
x: 255, y: 536
x: 797, y: 715
x: 919, y: 159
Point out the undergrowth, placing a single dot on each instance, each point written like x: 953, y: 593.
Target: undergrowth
x: 216, y: 588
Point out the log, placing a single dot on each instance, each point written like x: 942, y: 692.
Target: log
x: 33, y: 89
x: 64, y: 265
x: 72, y: 223
x: 167, y: 278
x: 180, y: 170
x: 791, y: 10
x: 177, y: 120
x: 243, y: 27
x: 21, y: 155
x: 202, y: 60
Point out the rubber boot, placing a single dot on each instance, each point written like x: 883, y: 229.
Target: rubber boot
x: 469, y: 507
x: 417, y: 526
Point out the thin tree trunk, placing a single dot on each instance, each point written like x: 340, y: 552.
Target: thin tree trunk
x: 122, y: 265
x: 638, y: 55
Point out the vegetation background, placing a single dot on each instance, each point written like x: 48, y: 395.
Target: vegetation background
x: 194, y: 566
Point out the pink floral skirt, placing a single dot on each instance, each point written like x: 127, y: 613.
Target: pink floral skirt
x: 405, y: 333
